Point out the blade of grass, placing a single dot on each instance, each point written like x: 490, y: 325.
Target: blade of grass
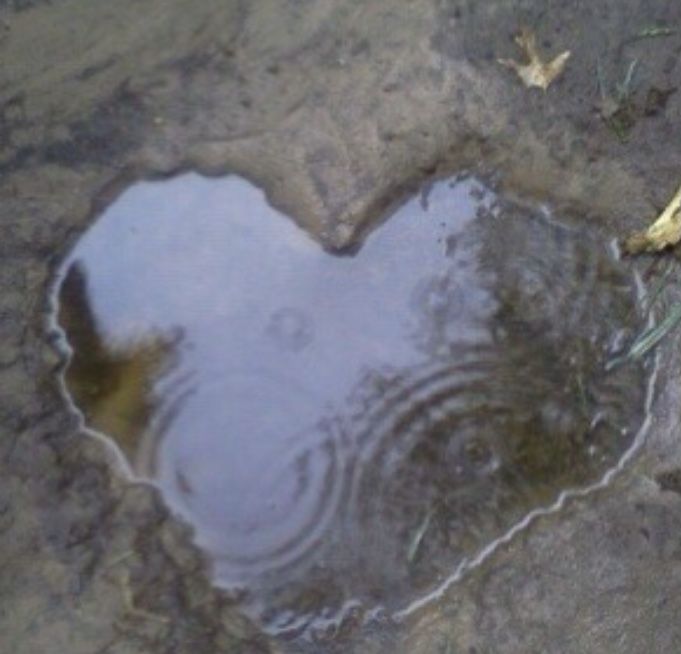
x: 663, y: 282
x: 624, y: 88
x: 415, y: 544
x: 653, y: 32
x: 656, y: 289
x: 651, y: 337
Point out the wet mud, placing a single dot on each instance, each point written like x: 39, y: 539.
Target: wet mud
x: 340, y: 112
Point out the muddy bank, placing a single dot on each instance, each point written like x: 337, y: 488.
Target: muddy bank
x: 337, y: 112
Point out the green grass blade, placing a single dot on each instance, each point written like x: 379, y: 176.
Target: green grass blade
x: 415, y: 544
x: 650, y: 338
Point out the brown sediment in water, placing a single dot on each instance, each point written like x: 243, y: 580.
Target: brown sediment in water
x: 305, y: 411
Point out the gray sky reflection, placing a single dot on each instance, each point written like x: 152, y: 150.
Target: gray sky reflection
x: 276, y: 332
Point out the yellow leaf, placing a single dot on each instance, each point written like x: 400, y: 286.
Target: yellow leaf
x: 664, y: 232
x: 535, y: 72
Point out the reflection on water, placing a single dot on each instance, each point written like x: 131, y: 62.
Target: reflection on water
x: 342, y: 431
x: 113, y: 382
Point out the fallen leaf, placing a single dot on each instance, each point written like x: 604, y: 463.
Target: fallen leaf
x: 535, y: 72
x: 665, y: 231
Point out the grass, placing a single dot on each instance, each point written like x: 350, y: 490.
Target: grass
x: 651, y: 337
x: 616, y: 108
x: 654, y: 31
x: 648, y: 339
x: 664, y: 281
x: 417, y: 539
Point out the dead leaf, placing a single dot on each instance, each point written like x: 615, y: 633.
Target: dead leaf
x: 535, y: 72
x: 664, y: 232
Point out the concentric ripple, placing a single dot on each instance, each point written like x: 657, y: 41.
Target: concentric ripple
x: 344, y: 431
x: 262, y: 507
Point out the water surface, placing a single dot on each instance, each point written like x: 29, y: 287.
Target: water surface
x: 343, y: 430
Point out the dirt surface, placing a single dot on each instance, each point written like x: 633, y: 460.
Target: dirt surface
x: 338, y: 110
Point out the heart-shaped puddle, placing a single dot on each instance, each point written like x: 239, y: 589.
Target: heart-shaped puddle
x: 348, y: 429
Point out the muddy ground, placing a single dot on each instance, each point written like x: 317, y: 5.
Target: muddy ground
x: 338, y: 109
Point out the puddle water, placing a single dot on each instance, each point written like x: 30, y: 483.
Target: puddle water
x: 343, y: 430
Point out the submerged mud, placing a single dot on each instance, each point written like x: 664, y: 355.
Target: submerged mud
x: 343, y: 431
